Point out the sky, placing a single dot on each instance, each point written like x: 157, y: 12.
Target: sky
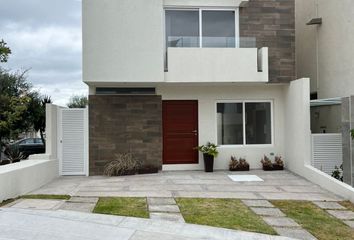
x: 45, y: 38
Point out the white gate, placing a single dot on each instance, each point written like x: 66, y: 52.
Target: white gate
x: 327, y: 151
x: 73, y: 141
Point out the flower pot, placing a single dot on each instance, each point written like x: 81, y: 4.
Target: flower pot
x: 240, y: 169
x: 208, y: 162
x: 274, y: 167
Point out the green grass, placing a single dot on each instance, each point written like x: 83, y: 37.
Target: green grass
x: 7, y: 201
x: 225, y: 213
x: 122, y: 206
x: 46, y: 196
x: 349, y: 205
x: 318, y: 222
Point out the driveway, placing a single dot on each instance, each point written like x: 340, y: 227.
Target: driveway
x: 278, y: 185
x: 64, y: 225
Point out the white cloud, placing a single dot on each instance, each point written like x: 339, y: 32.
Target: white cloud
x: 45, y: 37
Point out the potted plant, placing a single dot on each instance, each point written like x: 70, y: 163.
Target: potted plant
x: 269, y: 166
x: 238, y: 165
x: 209, y: 151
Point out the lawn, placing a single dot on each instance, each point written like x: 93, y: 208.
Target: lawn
x: 349, y: 205
x: 46, y: 196
x: 226, y: 213
x: 122, y: 206
x: 318, y: 222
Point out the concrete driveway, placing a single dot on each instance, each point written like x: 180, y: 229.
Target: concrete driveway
x: 277, y: 185
x: 16, y: 224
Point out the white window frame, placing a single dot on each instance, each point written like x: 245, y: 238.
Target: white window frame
x: 244, y: 123
x: 201, y: 9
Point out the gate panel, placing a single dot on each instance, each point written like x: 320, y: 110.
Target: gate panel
x: 73, y: 159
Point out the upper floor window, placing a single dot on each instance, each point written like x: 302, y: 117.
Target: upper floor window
x: 201, y: 28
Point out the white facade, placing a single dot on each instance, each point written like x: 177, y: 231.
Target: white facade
x: 325, y: 52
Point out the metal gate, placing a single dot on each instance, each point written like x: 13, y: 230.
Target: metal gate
x: 327, y: 151
x: 73, y: 141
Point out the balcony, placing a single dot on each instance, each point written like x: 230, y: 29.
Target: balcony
x: 222, y: 60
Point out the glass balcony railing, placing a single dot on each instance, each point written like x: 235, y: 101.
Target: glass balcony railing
x: 211, y: 42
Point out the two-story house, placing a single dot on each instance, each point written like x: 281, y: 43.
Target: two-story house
x: 165, y: 76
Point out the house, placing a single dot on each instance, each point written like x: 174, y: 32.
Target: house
x: 324, y: 39
x: 165, y: 76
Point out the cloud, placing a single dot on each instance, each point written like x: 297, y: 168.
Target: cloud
x: 45, y: 37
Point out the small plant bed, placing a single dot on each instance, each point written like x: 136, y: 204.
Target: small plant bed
x: 315, y: 220
x: 238, y: 165
x: 46, y: 196
x: 122, y: 206
x: 347, y: 204
x: 269, y: 166
x: 225, y: 213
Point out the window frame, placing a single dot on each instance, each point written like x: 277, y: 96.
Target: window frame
x: 244, y: 123
x: 200, y: 10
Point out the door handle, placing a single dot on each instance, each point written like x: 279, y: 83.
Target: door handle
x: 195, y: 131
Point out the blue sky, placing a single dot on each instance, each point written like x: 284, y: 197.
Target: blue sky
x: 45, y: 37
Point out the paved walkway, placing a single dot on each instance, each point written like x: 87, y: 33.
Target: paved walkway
x: 279, y: 185
x: 67, y: 225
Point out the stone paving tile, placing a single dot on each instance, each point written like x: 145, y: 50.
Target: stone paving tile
x: 297, y: 196
x: 258, y: 203
x: 174, y: 217
x: 237, y: 195
x: 164, y: 208
x: 168, y: 187
x: 349, y: 223
x: 161, y: 201
x: 78, y: 206
x: 343, y: 215
x: 237, y: 188
x: 295, y: 233
x: 140, y: 235
x: 83, y: 199
x: 126, y: 194
x: 280, y: 222
x: 40, y: 204
x: 303, y: 189
x: 329, y: 205
x: 273, y: 212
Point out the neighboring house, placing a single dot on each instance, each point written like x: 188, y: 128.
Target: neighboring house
x: 168, y: 75
x: 324, y: 53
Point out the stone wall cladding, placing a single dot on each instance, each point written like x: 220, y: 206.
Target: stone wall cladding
x: 272, y: 23
x: 124, y: 123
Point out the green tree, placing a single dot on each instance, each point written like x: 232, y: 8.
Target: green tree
x: 14, y: 100
x: 36, y: 112
x: 4, y: 51
x: 77, y: 102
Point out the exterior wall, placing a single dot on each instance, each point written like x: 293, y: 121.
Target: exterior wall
x: 122, y: 124
x: 326, y: 118
x: 325, y: 52
x: 272, y: 23
x: 204, y: 3
x: 207, y: 97
x: 348, y: 143
x: 122, y: 41
x: 216, y: 65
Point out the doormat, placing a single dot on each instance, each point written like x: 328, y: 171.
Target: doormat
x: 245, y: 178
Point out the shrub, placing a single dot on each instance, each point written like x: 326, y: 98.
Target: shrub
x: 124, y: 164
x: 14, y: 154
x: 240, y: 164
x: 279, y: 161
x: 266, y: 162
x: 338, y: 173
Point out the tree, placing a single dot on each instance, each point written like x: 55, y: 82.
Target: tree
x: 78, y: 102
x: 4, y: 51
x: 36, y: 112
x: 14, y: 99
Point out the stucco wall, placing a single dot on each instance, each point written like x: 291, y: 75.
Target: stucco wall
x: 325, y: 52
x: 122, y: 41
x: 207, y: 97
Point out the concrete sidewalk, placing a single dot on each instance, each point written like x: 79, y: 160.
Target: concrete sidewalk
x: 66, y: 225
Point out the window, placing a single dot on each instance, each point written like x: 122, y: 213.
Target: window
x: 244, y: 123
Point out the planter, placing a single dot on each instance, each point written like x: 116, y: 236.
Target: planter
x: 148, y: 170
x: 4, y: 162
x: 208, y: 162
x: 240, y: 169
x: 274, y: 167
x: 128, y: 172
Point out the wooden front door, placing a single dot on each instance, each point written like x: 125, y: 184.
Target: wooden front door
x: 180, y: 132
